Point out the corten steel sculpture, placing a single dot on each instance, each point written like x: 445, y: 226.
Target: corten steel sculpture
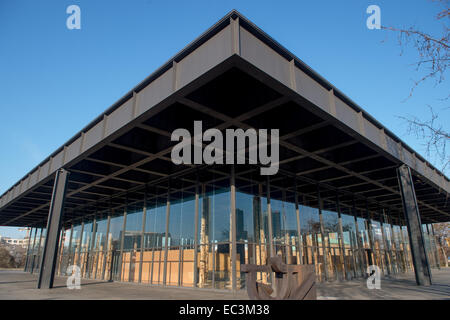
x: 292, y: 282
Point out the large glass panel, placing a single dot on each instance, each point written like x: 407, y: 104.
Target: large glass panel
x: 331, y: 238
x: 366, y: 251
x: 180, y: 255
x: 284, y: 228
x: 378, y: 246
x: 30, y: 249
x: 132, y: 243
x: 427, y: 242
x: 64, y: 252
x: 351, y: 259
x: 155, y: 229
x: 39, y: 247
x: 85, y: 246
x: 248, y: 227
x: 99, y: 248
x: 309, y: 227
x: 220, y: 237
x: 76, y: 236
x: 390, y: 247
x: 114, y: 243
x: 214, y: 261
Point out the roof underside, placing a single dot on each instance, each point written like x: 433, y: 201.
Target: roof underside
x: 315, y: 148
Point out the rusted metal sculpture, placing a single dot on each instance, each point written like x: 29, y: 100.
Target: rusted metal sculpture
x: 292, y: 282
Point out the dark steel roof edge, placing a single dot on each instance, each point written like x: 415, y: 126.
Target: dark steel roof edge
x: 205, y: 36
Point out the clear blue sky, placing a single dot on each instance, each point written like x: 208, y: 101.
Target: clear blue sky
x: 53, y: 81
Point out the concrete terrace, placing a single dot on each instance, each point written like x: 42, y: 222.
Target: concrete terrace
x: 17, y: 285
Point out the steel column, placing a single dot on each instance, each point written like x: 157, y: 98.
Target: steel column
x: 411, y: 210
x: 54, y: 221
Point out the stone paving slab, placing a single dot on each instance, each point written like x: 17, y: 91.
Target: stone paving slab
x: 399, y: 287
x: 17, y: 285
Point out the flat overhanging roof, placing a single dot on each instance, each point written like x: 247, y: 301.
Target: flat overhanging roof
x: 234, y: 75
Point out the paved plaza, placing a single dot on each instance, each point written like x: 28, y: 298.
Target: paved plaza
x: 19, y: 285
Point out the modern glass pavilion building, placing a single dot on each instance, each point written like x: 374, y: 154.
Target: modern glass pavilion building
x: 348, y: 193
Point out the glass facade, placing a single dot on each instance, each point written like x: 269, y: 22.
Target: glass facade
x: 35, y: 249
x: 181, y: 235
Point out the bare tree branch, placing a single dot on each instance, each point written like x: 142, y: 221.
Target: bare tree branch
x: 434, y: 57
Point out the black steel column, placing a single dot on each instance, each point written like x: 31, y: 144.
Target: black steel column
x: 49, y: 254
x: 411, y: 210
x: 28, y: 250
